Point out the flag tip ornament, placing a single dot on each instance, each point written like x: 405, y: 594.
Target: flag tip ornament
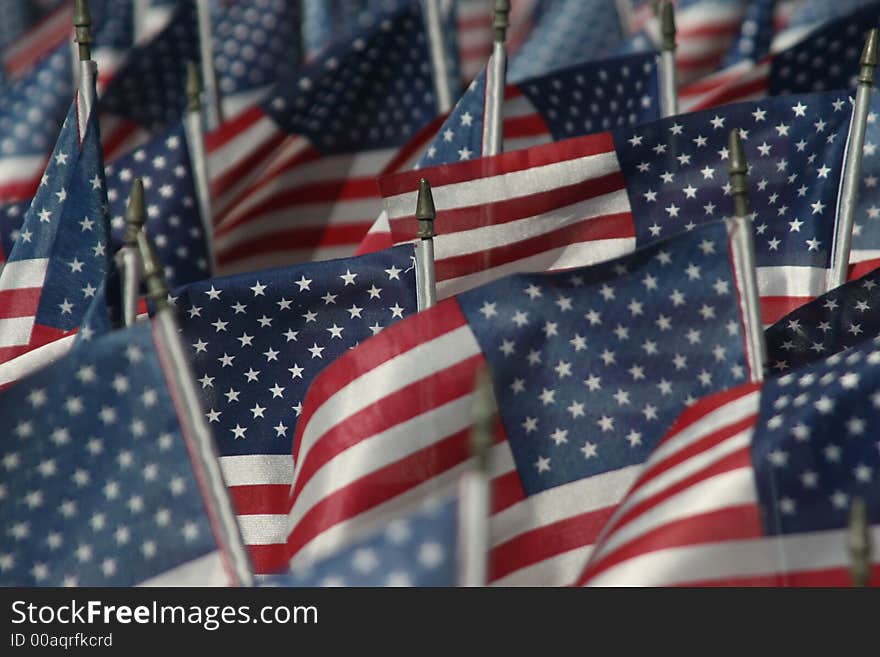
x: 737, y: 169
x: 668, y: 76
x: 869, y: 58
x: 82, y: 23
x: 502, y: 20
x: 667, y: 26
x: 154, y: 277
x: 483, y: 413
x: 193, y: 88
x: 135, y: 216
x: 425, y: 211
x: 859, y: 539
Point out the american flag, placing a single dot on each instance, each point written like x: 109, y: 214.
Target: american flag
x: 11, y: 218
x: 418, y: 548
x: 257, y: 340
x: 17, y: 17
x: 32, y: 109
x: 755, y: 33
x: 865, y: 253
x: 98, y: 489
x: 592, y: 198
x: 589, y: 367
x: 293, y: 178
x: 753, y: 487
x: 61, y: 256
x: 621, y: 91
x: 838, y: 320
x: 163, y: 164
x: 832, y: 52
x: 38, y: 41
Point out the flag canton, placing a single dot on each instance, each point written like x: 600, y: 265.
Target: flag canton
x: 150, y: 88
x: 866, y: 229
x: 374, y: 91
x: 567, y: 32
x: 67, y: 222
x: 755, y: 34
x: 11, y: 218
x: 255, y: 43
x: 676, y: 173
x: 815, y: 446
x: 96, y: 487
x: 172, y: 211
x: 838, y: 320
x: 461, y: 137
x: 813, y: 12
x: 325, y: 21
x: 32, y: 107
x: 596, y: 96
x: 257, y: 340
x: 827, y: 59
x: 414, y: 550
x: 112, y: 23
x: 592, y: 365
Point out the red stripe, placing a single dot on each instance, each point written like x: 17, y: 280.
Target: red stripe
x: 247, y: 171
x: 380, y: 486
x: 736, y: 92
x: 21, y: 302
x: 33, y: 45
x: 613, y: 226
x: 268, y: 559
x: 707, y: 405
x: 231, y: 128
x: 478, y: 51
x: 477, y: 22
x: 20, y: 190
x: 374, y: 241
x: 507, y: 490
x: 530, y: 125
x: 409, y: 402
x: 40, y: 335
x: 260, y: 499
x: 710, y: 30
x: 300, y: 240
x: 838, y: 577
x: 506, y: 210
x: 531, y: 547
x: 859, y: 269
x: 115, y: 140
x: 391, y: 342
x: 729, y: 524
x: 485, y: 167
x: 775, y: 308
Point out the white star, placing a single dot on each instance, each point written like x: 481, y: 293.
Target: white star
x: 304, y: 283
x: 348, y: 277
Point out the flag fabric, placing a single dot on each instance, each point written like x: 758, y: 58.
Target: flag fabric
x: 11, y: 218
x: 755, y: 35
x: 61, y: 256
x: 753, y: 487
x: 18, y: 16
x: 257, y: 340
x: 592, y: 198
x: 416, y: 549
x: 32, y: 109
x: 172, y: 211
x: 832, y: 51
x: 865, y: 253
x: 621, y: 90
x: 838, y: 320
x: 98, y: 488
x: 293, y: 178
x: 39, y: 40
x: 589, y: 366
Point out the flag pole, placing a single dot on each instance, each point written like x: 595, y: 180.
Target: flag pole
x: 195, y: 143
x: 859, y: 543
x: 129, y: 256
x: 852, y: 165
x: 85, y: 98
x: 496, y: 80
x: 743, y: 247
x: 196, y: 433
x: 440, y: 63
x: 213, y: 113
x: 426, y: 279
x: 139, y: 14
x: 474, y: 490
x: 668, y: 83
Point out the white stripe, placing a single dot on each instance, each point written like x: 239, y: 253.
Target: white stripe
x: 16, y: 331
x: 204, y: 571
x: 517, y: 184
x: 860, y: 255
x: 35, y: 359
x: 565, y: 257
x: 752, y: 557
x: 24, y: 274
x: 519, y: 107
x: 791, y: 281
x: 521, y: 143
x: 22, y: 167
x: 420, y: 362
x: 558, y: 570
x: 257, y: 469
x: 263, y: 529
x: 228, y: 155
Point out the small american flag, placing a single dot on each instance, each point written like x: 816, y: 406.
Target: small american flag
x: 589, y: 368
x: 842, y: 318
x: 61, y: 256
x: 753, y: 487
x: 293, y: 178
x: 98, y: 489
x: 591, y: 198
x: 415, y: 549
x: 32, y: 109
x: 256, y: 342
